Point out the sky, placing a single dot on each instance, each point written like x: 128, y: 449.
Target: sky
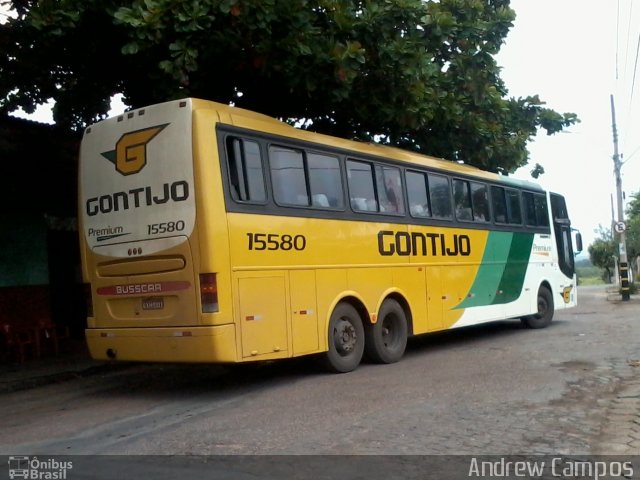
x: 574, y: 54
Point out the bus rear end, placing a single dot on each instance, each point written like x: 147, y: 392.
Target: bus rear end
x: 147, y: 298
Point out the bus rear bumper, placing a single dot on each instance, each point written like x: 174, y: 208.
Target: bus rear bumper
x: 187, y: 344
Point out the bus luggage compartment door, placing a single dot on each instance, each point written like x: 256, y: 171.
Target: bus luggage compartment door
x: 263, y: 314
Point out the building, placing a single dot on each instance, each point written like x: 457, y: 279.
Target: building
x: 39, y: 252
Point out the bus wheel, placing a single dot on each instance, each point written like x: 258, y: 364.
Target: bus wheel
x: 346, y: 339
x: 386, y: 339
x: 545, y: 310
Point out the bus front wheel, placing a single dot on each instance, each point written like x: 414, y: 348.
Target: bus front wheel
x: 386, y: 339
x: 346, y: 339
x: 545, y: 310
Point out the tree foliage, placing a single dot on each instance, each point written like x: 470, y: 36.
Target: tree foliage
x: 632, y: 234
x: 412, y: 73
x: 603, y: 250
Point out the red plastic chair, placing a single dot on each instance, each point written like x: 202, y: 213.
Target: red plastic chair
x: 16, y: 341
x: 53, y: 332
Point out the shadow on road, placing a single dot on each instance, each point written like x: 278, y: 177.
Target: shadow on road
x: 169, y: 380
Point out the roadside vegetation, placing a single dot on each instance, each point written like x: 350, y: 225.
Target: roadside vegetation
x: 589, y: 274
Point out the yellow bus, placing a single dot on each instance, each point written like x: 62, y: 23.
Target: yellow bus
x: 210, y: 233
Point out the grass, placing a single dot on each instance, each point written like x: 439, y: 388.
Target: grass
x: 589, y: 275
x: 590, y: 280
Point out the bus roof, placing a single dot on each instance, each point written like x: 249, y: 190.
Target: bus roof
x: 257, y: 121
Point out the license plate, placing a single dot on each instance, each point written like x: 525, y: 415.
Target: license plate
x: 153, y: 303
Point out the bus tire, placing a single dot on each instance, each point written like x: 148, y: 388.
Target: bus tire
x: 346, y: 339
x: 544, y: 316
x: 386, y: 340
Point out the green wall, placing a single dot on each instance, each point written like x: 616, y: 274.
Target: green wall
x: 23, y: 249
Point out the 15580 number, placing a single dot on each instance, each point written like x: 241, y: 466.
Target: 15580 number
x: 165, y: 227
x: 274, y: 241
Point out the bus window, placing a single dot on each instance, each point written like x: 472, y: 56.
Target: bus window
x: 529, y: 209
x: 361, y: 190
x: 535, y: 209
x: 287, y: 175
x: 542, y: 212
x: 325, y: 181
x: 499, y: 204
x: 462, y: 200
x: 389, y: 189
x: 245, y: 170
x: 480, y: 202
x: 417, y: 193
x: 562, y: 229
x: 440, y: 196
x: 514, y: 209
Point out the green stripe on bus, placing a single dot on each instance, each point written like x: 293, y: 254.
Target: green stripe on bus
x: 501, y: 274
x: 490, y: 273
x: 513, y: 277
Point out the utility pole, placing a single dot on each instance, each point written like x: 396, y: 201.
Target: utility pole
x: 620, y: 225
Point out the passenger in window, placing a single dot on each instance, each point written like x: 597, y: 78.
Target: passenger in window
x: 392, y: 204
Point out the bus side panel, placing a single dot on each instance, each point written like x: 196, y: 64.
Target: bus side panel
x: 411, y: 282
x: 370, y: 284
x: 455, y: 279
x: 330, y: 285
x: 304, y: 311
x: 262, y: 308
x: 435, y: 307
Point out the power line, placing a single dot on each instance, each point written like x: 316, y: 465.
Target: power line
x: 617, y: 36
x: 626, y: 54
x: 632, y: 154
x: 635, y: 67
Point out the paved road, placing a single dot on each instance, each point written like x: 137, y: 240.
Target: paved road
x: 570, y: 389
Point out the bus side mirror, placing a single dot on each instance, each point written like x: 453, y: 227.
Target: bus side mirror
x: 578, y: 242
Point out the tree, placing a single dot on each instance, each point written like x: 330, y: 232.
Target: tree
x: 411, y: 73
x: 603, y: 251
x: 632, y: 236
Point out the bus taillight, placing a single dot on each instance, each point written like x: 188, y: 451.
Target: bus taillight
x: 208, y: 292
x: 88, y: 299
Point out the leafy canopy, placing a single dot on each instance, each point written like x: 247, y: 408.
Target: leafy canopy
x: 411, y: 73
x: 603, y: 250
x: 632, y: 233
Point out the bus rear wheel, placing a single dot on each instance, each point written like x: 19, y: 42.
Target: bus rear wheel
x: 545, y: 310
x: 346, y: 339
x: 386, y: 339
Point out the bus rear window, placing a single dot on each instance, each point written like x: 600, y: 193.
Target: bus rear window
x: 245, y: 170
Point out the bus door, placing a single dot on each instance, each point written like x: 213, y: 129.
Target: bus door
x: 562, y: 230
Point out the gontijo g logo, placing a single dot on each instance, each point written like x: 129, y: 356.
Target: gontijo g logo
x: 130, y: 155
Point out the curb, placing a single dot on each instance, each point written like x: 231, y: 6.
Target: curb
x: 27, y: 382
